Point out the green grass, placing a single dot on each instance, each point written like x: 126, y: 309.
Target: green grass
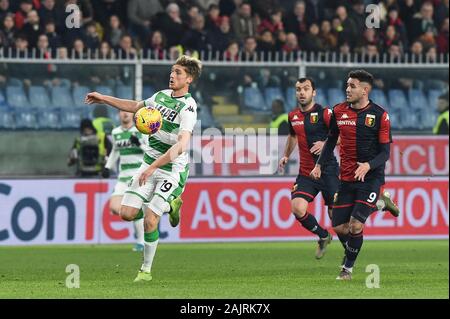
x: 408, y: 269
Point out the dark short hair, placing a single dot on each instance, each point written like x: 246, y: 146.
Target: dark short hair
x: 362, y: 76
x: 302, y: 80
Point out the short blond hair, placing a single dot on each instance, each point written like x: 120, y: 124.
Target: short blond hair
x: 192, y: 66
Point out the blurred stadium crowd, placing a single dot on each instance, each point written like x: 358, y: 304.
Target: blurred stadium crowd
x: 226, y: 30
x: 229, y: 29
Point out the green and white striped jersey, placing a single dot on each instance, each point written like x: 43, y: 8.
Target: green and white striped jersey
x: 130, y: 156
x: 178, y: 114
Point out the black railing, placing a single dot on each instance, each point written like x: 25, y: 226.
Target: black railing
x: 169, y: 55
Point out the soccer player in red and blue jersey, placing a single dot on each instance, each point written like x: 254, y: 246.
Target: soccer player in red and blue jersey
x: 365, y: 136
x: 309, y: 124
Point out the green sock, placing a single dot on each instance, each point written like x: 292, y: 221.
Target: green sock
x: 151, y: 237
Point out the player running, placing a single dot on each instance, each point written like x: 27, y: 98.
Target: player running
x: 308, y: 125
x: 365, y: 133
x: 161, y: 177
x: 128, y: 148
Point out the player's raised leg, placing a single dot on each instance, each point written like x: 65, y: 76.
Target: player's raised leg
x: 114, y: 205
x: 309, y: 222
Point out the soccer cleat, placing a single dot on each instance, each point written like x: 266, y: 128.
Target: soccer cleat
x: 322, y: 246
x: 345, y: 274
x: 389, y: 204
x: 174, y: 214
x: 143, y: 276
x: 138, y: 247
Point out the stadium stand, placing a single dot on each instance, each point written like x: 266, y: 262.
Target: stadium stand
x: 55, y: 87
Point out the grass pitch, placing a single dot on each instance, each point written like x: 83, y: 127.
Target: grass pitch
x: 408, y: 269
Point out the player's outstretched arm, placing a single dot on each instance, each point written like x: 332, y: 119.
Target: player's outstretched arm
x: 121, y: 104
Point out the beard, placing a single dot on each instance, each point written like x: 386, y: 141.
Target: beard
x: 305, y: 103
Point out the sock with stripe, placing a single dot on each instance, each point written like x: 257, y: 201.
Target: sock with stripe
x: 352, y: 249
x: 310, y: 223
x: 150, y: 244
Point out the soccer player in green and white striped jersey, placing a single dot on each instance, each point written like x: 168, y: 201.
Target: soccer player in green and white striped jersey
x: 128, y: 148
x: 162, y: 175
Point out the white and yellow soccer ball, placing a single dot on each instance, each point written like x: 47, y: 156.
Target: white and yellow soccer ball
x: 148, y: 120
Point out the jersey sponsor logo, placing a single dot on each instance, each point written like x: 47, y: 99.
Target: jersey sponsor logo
x: 346, y: 123
x: 314, y: 118
x: 370, y: 120
x: 167, y: 113
x: 123, y: 143
x: 298, y: 123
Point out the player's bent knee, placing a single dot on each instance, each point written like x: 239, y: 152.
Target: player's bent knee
x: 114, y: 204
x: 355, y: 226
x: 299, y: 213
x: 114, y: 209
x: 128, y: 213
x: 341, y: 229
x: 299, y: 208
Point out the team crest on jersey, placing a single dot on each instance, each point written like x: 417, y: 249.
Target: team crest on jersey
x: 314, y: 118
x: 370, y: 120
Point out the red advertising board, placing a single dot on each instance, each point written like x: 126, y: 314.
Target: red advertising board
x: 419, y: 155
x: 248, y: 209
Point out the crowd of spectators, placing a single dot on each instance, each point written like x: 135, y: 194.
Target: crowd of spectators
x: 229, y: 29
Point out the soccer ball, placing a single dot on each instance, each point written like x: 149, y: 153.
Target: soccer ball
x: 148, y: 120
